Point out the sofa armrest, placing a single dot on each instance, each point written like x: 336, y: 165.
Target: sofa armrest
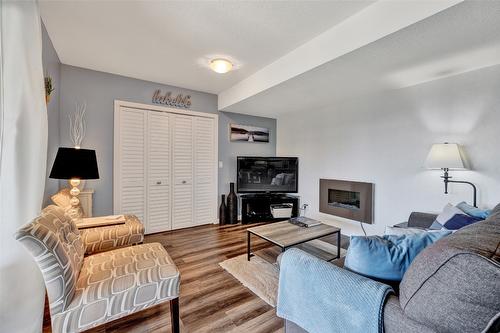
x: 395, y: 321
x: 322, y: 297
x: 291, y: 327
x: 421, y: 220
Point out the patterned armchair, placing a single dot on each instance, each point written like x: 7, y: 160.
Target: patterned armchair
x: 88, y: 292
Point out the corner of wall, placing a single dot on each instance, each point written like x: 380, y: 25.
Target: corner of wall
x: 52, y: 68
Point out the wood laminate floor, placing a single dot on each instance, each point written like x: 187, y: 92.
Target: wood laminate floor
x: 211, y: 299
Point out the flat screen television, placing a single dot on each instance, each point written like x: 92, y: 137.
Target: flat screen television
x: 267, y: 174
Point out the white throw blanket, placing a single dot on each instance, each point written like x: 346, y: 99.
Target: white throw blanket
x: 101, y: 221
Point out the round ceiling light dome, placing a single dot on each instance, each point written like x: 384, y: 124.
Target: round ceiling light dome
x: 221, y: 65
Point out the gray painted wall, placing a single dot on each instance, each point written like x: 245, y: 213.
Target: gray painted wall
x: 228, y: 151
x: 384, y: 138
x: 99, y: 90
x: 51, y: 67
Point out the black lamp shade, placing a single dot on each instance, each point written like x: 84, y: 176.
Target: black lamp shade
x: 75, y: 163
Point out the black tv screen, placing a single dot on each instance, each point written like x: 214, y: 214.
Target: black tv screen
x: 267, y: 174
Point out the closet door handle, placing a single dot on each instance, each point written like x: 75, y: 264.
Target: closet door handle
x: 158, y: 183
x: 184, y: 182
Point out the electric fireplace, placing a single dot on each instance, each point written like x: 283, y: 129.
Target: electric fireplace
x: 348, y: 199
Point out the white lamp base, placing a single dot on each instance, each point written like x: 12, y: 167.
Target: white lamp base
x: 74, y: 201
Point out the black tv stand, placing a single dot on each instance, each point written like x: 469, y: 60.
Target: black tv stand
x: 255, y: 207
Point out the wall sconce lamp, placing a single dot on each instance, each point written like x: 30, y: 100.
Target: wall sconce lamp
x: 446, y: 156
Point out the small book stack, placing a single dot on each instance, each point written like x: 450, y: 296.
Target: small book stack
x: 304, y: 222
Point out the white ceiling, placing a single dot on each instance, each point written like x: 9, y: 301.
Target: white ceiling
x: 290, y: 55
x: 459, y: 39
x: 367, y: 26
x: 171, y: 42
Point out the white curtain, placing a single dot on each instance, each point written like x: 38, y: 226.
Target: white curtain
x: 23, y: 156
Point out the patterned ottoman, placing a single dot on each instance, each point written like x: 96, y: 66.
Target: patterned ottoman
x: 106, y: 238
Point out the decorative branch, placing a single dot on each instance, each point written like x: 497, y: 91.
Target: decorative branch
x: 77, y: 124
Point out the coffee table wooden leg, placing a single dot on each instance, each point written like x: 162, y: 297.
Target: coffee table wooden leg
x: 338, y: 245
x: 249, y: 253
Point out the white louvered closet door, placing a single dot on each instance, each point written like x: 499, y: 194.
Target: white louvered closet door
x: 165, y: 166
x: 159, y: 169
x: 205, y: 187
x: 182, y: 164
x: 130, y: 163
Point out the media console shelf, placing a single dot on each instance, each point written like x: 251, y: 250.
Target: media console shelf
x: 257, y: 207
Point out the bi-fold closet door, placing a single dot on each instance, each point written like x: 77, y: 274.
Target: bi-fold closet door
x: 183, y: 164
x: 165, y: 166
x: 158, y: 184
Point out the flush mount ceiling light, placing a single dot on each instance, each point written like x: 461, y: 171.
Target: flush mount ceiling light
x: 220, y: 65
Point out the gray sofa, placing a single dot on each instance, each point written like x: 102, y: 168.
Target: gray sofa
x: 452, y: 286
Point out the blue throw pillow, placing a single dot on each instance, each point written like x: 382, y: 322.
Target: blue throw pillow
x: 387, y: 257
x: 459, y: 221
x: 453, y: 218
x: 449, y: 211
x: 474, y: 211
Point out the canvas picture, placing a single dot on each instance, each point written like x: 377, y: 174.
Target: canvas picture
x: 248, y: 133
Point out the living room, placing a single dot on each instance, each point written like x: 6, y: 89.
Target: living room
x: 221, y: 159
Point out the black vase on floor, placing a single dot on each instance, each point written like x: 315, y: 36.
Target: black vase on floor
x: 223, y: 211
x: 232, y: 205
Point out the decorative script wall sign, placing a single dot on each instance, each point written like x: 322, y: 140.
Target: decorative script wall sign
x: 179, y: 101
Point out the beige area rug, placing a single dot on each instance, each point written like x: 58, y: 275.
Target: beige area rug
x: 260, y: 276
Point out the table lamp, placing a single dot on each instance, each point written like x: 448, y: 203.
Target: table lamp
x: 74, y: 164
x: 446, y: 156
